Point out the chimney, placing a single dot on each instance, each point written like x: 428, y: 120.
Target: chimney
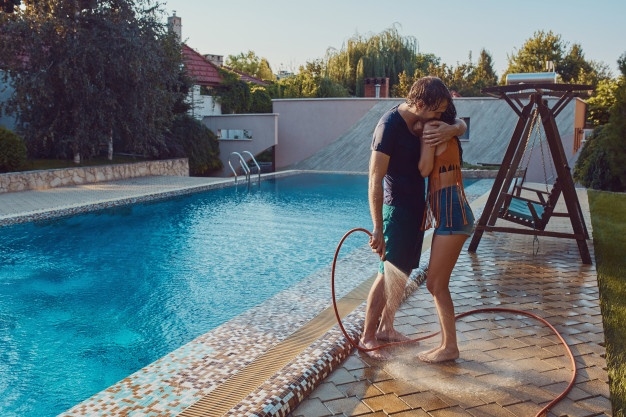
x: 377, y: 87
x: 175, y: 25
x: 217, y: 60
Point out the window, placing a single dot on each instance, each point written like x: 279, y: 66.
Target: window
x: 466, y: 135
x: 225, y: 134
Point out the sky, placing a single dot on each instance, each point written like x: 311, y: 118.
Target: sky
x: 289, y: 33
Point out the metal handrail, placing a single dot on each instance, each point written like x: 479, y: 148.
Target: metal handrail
x: 244, y: 166
x: 258, y: 168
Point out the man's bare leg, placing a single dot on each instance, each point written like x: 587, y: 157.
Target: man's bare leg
x: 395, y: 284
x: 375, y: 304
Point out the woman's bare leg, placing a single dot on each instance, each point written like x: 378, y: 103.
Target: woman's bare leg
x: 444, y: 253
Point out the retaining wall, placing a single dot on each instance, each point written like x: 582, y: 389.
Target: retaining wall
x: 44, y: 179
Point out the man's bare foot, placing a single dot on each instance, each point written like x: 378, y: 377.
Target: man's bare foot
x: 391, y: 336
x: 439, y: 355
x: 372, y: 349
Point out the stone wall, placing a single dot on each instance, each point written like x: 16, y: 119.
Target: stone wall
x: 44, y: 179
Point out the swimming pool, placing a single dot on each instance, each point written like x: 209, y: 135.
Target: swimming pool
x: 87, y: 300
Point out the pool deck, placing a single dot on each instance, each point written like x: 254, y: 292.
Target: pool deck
x: 287, y: 357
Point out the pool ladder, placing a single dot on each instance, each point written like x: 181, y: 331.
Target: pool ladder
x: 244, y: 166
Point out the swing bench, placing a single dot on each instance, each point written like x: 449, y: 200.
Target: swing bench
x: 532, y: 211
x: 529, y: 212
x: 513, y: 200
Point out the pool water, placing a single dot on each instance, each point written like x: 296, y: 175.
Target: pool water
x: 89, y: 299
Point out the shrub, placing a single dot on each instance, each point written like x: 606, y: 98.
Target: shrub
x: 12, y: 151
x: 261, y: 101
x: 192, y: 139
x: 599, y: 165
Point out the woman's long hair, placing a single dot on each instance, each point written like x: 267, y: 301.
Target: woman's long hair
x: 449, y: 117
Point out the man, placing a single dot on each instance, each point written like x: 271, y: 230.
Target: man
x: 396, y: 194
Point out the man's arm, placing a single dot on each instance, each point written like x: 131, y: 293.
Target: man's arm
x: 437, y: 132
x: 379, y: 162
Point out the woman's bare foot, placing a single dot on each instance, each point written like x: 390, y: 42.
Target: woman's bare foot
x: 440, y: 354
x: 391, y: 336
x: 372, y: 349
x: 429, y: 351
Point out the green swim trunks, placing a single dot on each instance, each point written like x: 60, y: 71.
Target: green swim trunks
x: 403, y: 237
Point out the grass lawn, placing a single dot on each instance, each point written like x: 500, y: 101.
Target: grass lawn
x: 608, y: 219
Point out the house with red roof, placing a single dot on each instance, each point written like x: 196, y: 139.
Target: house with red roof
x: 203, y: 70
x: 205, y: 76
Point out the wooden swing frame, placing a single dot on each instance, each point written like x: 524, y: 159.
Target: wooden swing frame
x: 505, y: 200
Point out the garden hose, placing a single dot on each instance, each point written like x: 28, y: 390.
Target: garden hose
x: 355, y: 343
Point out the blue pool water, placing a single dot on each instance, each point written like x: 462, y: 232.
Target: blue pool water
x: 89, y: 299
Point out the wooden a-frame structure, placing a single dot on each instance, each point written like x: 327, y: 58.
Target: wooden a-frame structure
x: 500, y: 195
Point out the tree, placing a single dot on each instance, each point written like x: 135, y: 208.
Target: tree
x: 482, y: 75
x: 86, y: 74
x: 600, y: 104
x: 8, y: 6
x: 536, y: 53
x: 233, y: 94
x: 574, y: 65
x: 251, y: 64
x: 384, y: 55
x: 602, y: 162
x: 260, y: 100
x: 310, y: 82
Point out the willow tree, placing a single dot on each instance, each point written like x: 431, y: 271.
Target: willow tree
x: 87, y: 73
x: 383, y: 55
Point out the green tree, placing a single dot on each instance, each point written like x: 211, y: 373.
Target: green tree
x: 547, y: 48
x: 260, y: 100
x: 233, y: 94
x: 600, y: 104
x: 251, y: 64
x: 426, y: 64
x: 481, y: 75
x: 573, y: 65
x: 310, y: 82
x: 89, y: 74
x: 602, y: 162
x: 536, y: 52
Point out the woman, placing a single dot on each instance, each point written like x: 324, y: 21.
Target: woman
x: 448, y: 211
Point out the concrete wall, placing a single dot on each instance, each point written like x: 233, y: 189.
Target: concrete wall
x: 261, y: 133
x: 305, y: 143
x: 306, y: 126
x: 202, y: 105
x: 51, y: 178
x: 492, y: 122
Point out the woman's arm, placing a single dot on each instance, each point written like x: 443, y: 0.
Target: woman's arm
x: 437, y: 132
x: 427, y: 158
